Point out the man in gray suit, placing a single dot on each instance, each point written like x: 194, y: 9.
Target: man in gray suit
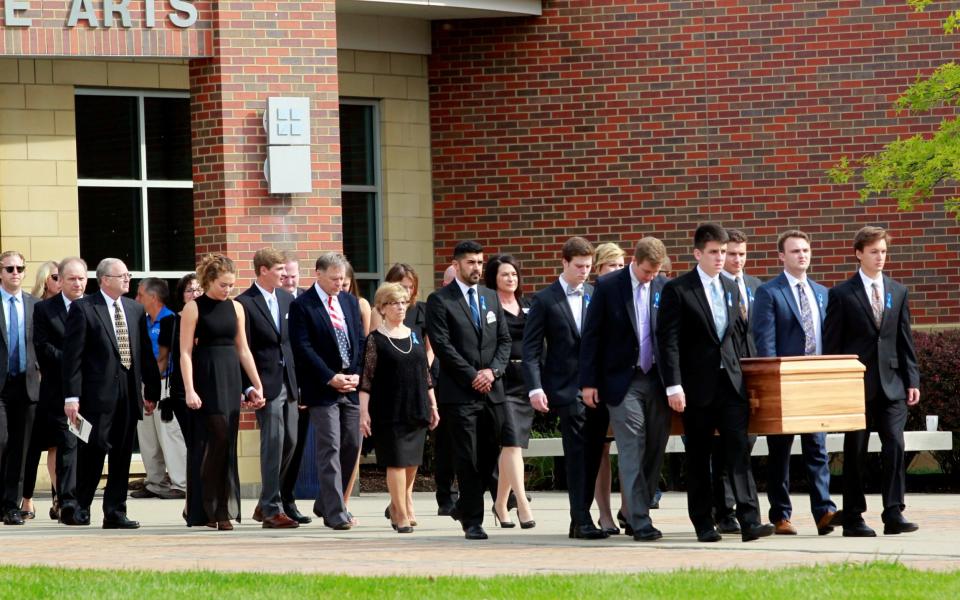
x: 19, y: 381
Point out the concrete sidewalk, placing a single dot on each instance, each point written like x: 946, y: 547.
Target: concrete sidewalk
x: 438, y: 547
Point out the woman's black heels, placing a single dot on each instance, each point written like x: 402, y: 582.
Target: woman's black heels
x: 404, y: 529
x: 499, y: 521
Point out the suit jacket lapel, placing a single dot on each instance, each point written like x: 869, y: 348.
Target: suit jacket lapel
x: 322, y: 314
x: 261, y: 303
x: 861, y: 293
x: 101, y: 310
x: 887, y: 293
x: 561, y: 299
x: 3, y: 325
x: 462, y: 301
x: 701, y: 295
x: 784, y: 285
x: 733, y: 308
x: 626, y: 295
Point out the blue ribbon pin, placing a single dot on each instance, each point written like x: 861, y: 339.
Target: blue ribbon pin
x: 729, y: 299
x: 889, y: 300
x: 656, y: 300
x: 586, y: 301
x: 413, y: 336
x: 483, y: 304
x: 820, y: 300
x: 750, y: 295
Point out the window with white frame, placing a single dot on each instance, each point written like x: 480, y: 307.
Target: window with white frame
x: 360, y: 175
x: 135, y: 183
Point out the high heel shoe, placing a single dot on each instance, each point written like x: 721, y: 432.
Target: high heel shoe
x: 499, y: 521
x: 224, y: 526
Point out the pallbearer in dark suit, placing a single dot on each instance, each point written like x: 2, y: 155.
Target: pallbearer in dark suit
x: 266, y: 306
x: 701, y: 339
x: 551, y: 365
x: 868, y: 315
x: 327, y: 338
x: 734, y: 265
x: 619, y: 368
x: 19, y: 381
x: 788, y: 321
x: 470, y: 338
x: 49, y: 325
x: 107, y: 356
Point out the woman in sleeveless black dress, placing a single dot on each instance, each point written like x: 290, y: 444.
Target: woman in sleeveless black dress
x: 213, y: 348
x: 396, y: 401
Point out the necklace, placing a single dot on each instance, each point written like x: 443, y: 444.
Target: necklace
x: 383, y: 330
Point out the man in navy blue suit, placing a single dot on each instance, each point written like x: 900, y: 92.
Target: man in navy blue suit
x: 619, y: 367
x: 788, y: 314
x: 327, y: 339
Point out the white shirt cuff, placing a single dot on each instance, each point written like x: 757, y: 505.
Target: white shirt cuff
x: 72, y: 400
x: 535, y: 392
x: 246, y: 392
x: 674, y: 389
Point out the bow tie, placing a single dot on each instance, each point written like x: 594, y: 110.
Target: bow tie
x: 577, y: 291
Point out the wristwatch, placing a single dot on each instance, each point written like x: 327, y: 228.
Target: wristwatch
x: 497, y: 373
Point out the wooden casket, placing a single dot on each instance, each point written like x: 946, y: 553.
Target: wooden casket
x: 805, y: 394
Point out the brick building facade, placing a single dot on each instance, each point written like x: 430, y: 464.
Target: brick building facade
x: 616, y: 120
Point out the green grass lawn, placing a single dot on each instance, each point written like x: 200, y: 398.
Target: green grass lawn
x: 874, y: 580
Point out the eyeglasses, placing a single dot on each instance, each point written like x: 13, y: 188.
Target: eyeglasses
x: 124, y: 276
x: 398, y: 303
x: 54, y: 277
x: 194, y: 291
x: 17, y: 268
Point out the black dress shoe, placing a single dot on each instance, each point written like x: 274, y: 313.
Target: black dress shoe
x: 611, y: 530
x: 120, y: 522
x: 296, y: 515
x: 709, y: 535
x: 12, y: 517
x: 445, y: 510
x: 755, y: 532
x: 728, y: 525
x: 649, y: 534
x: 622, y: 520
x: 899, y: 526
x: 345, y: 525
x: 858, y: 530
x: 474, y: 532
x: 587, y: 532
x: 72, y: 515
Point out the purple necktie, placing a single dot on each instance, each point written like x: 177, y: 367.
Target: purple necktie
x: 643, y: 324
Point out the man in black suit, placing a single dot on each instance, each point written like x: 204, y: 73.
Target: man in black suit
x: 868, y: 315
x: 701, y: 339
x: 734, y: 265
x: 469, y: 335
x: 266, y: 306
x: 326, y: 335
x: 49, y: 325
x: 619, y: 368
x: 107, y: 356
x: 551, y: 359
x: 19, y: 382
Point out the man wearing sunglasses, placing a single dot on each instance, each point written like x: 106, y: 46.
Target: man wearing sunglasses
x: 19, y: 381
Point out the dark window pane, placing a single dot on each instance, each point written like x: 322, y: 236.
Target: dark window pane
x: 360, y: 231
x: 356, y: 144
x: 368, y: 288
x: 107, y: 141
x: 170, y: 217
x: 110, y: 225
x: 167, y: 132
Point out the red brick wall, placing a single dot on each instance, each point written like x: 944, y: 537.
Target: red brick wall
x: 616, y: 120
x: 48, y: 34
x: 264, y: 49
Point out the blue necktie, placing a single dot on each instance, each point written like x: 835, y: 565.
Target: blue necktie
x: 13, y: 338
x: 472, y: 293
x: 719, y: 310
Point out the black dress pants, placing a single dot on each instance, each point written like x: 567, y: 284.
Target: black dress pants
x: 888, y: 419
x: 112, y: 437
x: 16, y: 423
x: 728, y: 413
x: 583, y: 431
x: 474, y: 435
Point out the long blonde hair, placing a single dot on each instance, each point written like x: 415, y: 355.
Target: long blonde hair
x: 45, y: 270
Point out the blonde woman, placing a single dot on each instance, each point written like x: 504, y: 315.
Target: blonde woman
x: 47, y: 284
x: 397, y: 404
x: 607, y: 258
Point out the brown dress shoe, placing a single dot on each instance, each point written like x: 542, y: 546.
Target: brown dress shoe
x: 829, y: 521
x: 258, y: 514
x: 784, y: 527
x: 279, y: 521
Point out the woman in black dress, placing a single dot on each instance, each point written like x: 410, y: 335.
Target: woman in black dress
x: 397, y: 404
x: 213, y: 347
x: 516, y: 413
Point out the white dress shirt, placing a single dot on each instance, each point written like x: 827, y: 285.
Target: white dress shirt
x: 272, y: 304
x: 741, y: 285
x: 575, y: 302
x: 21, y: 323
x: 868, y: 286
x: 812, y: 302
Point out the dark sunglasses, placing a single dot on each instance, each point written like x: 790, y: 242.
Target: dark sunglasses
x: 54, y: 277
x: 18, y: 268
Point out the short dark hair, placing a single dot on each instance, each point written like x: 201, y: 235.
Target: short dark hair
x: 709, y: 232
x: 467, y: 247
x: 181, y: 288
x: 267, y: 257
x: 868, y: 235
x: 736, y: 236
x: 790, y: 233
x: 492, y: 269
x: 157, y: 287
x: 576, y: 246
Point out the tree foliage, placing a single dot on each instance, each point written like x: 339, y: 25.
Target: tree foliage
x: 909, y: 170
